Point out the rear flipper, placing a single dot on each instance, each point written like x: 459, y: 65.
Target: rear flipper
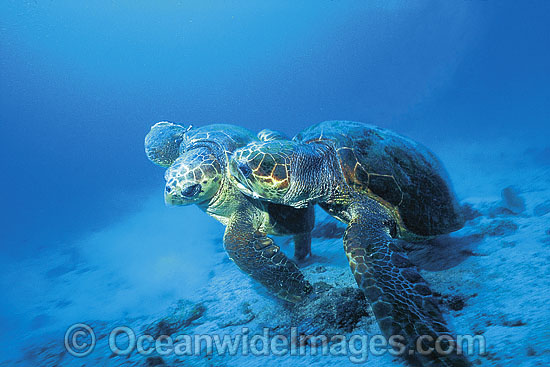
x: 163, y: 142
x: 257, y: 255
x: 400, y: 298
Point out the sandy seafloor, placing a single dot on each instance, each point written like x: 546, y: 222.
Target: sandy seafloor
x: 493, y: 276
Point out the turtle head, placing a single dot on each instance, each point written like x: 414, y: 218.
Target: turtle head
x: 262, y: 169
x: 163, y: 141
x: 286, y: 172
x: 194, y: 178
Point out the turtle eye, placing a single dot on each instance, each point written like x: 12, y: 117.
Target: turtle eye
x: 392, y: 227
x: 245, y: 169
x: 168, y: 189
x: 191, y: 190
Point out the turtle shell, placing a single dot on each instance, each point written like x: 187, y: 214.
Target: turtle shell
x: 396, y: 171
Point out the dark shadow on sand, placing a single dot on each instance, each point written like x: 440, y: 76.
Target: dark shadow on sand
x: 443, y: 252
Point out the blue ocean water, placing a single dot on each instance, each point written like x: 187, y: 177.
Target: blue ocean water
x: 82, y: 82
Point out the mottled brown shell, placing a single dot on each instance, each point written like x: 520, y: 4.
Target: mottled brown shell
x: 396, y: 170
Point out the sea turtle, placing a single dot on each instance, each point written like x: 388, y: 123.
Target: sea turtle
x: 387, y: 188
x: 197, y: 159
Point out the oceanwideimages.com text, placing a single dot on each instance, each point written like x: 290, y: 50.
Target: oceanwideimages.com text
x: 80, y: 341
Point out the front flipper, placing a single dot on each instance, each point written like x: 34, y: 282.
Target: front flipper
x: 257, y: 255
x: 400, y: 298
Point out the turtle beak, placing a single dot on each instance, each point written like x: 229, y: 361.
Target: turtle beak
x: 170, y: 196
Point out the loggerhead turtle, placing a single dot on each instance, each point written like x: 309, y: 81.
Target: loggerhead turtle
x: 387, y: 188
x: 197, y: 159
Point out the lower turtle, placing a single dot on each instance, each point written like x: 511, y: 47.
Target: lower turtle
x: 388, y: 190
x: 197, y: 161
